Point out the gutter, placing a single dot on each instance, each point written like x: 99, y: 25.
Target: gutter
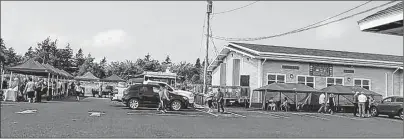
x: 392, y: 80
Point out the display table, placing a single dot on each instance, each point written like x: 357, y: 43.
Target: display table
x: 10, y: 95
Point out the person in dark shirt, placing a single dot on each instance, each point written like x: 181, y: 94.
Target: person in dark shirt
x: 220, y: 100
x: 356, y: 104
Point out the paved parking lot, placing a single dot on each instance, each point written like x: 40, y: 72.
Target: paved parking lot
x: 97, y: 117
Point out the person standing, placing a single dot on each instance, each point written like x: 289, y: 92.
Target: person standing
x: 356, y: 108
x: 39, y: 90
x: 220, y: 100
x: 331, y: 103
x: 162, y: 97
x: 321, y: 101
x: 209, y: 99
x: 362, y: 100
x: 78, y: 91
x: 30, y: 90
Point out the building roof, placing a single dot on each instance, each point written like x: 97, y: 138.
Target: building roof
x: 397, y: 8
x: 318, y: 52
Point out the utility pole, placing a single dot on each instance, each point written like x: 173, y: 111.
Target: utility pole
x: 205, y: 74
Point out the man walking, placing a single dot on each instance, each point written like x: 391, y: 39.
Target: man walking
x: 362, y: 100
x: 321, y: 101
x: 220, y: 100
x: 356, y: 103
x: 163, y: 98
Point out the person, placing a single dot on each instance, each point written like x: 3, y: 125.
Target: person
x: 331, y: 103
x: 162, y: 96
x: 209, y: 100
x: 355, y: 103
x: 362, y: 100
x: 220, y: 100
x: 30, y: 90
x: 285, y: 104
x: 78, y: 91
x: 321, y: 101
x: 271, y: 104
x: 39, y: 90
x: 368, y: 103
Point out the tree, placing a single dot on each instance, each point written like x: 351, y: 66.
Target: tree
x: 87, y: 65
x: 3, y: 52
x: 198, y: 63
x: 30, y: 53
x: 167, y: 61
x: 46, y: 51
x: 79, y: 59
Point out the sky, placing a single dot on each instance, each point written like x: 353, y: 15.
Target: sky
x: 127, y: 30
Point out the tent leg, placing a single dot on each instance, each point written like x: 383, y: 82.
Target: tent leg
x: 296, y: 100
x: 11, y: 77
x: 2, y: 78
x: 47, y: 90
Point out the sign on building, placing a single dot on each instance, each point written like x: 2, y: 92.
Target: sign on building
x: 324, y: 70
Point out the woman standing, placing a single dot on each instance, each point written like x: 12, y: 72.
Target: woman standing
x: 30, y: 90
x: 78, y: 91
x: 368, y: 103
x: 331, y: 103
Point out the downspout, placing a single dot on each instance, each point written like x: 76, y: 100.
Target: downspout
x: 392, y: 81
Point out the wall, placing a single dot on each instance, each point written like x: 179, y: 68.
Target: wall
x: 376, y: 75
x: 216, y: 76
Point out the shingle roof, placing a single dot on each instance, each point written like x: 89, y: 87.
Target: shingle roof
x: 317, y: 52
x: 388, y: 11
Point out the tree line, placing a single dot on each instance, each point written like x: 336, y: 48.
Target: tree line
x: 77, y: 63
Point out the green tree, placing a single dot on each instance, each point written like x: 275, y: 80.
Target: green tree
x: 30, y: 53
x: 46, y: 51
x: 79, y: 58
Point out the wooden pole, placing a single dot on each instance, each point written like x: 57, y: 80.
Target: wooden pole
x: 209, y: 11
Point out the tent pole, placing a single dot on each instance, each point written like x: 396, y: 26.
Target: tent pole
x: 47, y: 91
x: 2, y: 78
x: 338, y: 102
x: 57, y: 86
x: 53, y: 86
x: 11, y: 76
x: 296, y: 100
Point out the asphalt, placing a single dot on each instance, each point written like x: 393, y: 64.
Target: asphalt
x: 99, y: 117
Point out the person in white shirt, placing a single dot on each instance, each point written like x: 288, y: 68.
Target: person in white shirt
x: 362, y: 100
x: 321, y: 101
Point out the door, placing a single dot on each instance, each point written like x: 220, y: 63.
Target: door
x: 383, y: 107
x: 223, y: 74
x: 236, y: 72
x: 396, y: 105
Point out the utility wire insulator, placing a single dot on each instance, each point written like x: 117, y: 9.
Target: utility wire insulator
x: 209, y: 7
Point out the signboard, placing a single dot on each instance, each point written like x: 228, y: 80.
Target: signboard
x: 324, y: 70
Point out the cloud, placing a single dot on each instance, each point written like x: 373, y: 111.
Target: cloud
x: 109, y: 38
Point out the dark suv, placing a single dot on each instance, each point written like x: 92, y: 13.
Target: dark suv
x: 391, y: 106
x: 146, y: 95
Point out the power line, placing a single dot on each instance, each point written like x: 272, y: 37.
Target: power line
x: 235, y: 8
x: 301, y: 29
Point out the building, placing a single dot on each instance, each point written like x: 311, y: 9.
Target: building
x: 253, y: 65
x: 388, y: 21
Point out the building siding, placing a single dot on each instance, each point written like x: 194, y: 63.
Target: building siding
x: 216, y: 76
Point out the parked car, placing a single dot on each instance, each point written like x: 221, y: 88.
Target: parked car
x: 146, y: 95
x: 391, y: 106
x: 118, y: 93
x: 107, y: 90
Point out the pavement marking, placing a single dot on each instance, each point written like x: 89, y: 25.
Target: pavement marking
x: 239, y: 115
x: 97, y: 114
x: 273, y: 115
x: 311, y: 116
x: 27, y: 112
x: 207, y: 112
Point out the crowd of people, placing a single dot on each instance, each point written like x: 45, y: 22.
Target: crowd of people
x: 31, y: 89
x: 362, y: 104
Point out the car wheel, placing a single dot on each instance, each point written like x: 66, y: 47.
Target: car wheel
x: 133, y: 103
x: 401, y: 114
x: 374, y: 112
x: 176, y: 105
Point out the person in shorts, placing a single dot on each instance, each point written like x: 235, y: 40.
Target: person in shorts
x: 30, y: 90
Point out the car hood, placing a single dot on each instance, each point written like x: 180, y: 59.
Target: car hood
x: 182, y: 93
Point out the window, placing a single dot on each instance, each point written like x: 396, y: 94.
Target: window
x: 290, y: 67
x: 335, y: 81
x: 276, y: 78
x: 364, y: 83
x: 399, y: 100
x: 306, y: 80
x: 387, y: 100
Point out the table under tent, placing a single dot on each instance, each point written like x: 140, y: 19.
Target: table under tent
x: 34, y: 68
x: 299, y: 96
x: 344, y: 96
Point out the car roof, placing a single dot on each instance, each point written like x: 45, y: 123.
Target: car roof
x: 394, y: 97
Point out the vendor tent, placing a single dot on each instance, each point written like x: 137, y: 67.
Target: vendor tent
x: 30, y: 67
x: 87, y: 77
x: 53, y: 70
x: 113, y: 78
x: 299, y: 94
x: 347, y: 92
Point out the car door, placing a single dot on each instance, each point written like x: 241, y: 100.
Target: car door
x: 149, y: 95
x: 396, y: 104
x: 384, y: 106
x: 156, y: 96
